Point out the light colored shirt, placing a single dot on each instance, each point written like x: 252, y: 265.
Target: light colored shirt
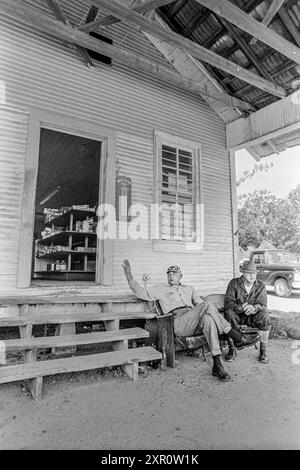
x: 248, y: 288
x: 170, y: 297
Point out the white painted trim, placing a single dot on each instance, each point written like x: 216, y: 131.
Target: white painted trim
x: 264, y: 138
x: 28, y: 200
x: 234, y: 212
x: 173, y: 139
x: 40, y: 118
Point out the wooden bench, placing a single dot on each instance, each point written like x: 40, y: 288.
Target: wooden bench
x: 33, y: 370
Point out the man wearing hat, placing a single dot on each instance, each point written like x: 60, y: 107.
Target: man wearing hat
x: 246, y: 304
x: 192, y: 315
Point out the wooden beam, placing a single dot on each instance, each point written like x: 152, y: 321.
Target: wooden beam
x: 92, y: 14
x: 58, y: 12
x: 245, y: 48
x: 273, y: 146
x: 110, y: 20
x: 272, y: 11
x: 133, y: 19
x: 213, y: 73
x: 193, y: 69
x: 290, y: 26
x: 285, y: 67
x: 239, y: 18
x: 254, y: 153
x: 24, y: 13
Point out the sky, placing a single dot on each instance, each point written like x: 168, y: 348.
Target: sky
x: 280, y: 179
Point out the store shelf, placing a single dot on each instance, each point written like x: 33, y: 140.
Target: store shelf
x: 64, y: 219
x: 63, y: 237
x: 69, y: 244
x: 64, y: 253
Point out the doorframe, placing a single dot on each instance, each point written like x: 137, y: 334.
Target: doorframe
x: 38, y: 119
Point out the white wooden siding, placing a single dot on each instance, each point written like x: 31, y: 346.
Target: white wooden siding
x: 40, y: 71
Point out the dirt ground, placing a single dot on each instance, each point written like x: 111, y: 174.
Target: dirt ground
x: 181, y: 408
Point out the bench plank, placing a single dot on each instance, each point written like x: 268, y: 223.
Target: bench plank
x: 74, y: 340
x: 72, y: 318
x: 77, y: 363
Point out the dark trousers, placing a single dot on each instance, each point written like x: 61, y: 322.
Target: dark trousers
x: 260, y: 320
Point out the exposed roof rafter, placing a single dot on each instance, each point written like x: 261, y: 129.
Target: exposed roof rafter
x: 220, y: 32
x: 242, y: 20
x: 140, y: 23
x: 176, y: 27
x: 58, y: 12
x: 286, y: 19
x: 110, y: 19
x: 245, y: 48
x: 272, y: 11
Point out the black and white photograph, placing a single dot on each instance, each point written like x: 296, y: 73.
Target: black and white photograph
x: 149, y: 228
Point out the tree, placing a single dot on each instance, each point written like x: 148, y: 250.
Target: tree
x: 263, y: 216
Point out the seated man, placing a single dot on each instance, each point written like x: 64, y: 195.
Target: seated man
x: 192, y: 316
x: 246, y: 303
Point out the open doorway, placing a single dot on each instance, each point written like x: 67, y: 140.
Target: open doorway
x: 67, y: 196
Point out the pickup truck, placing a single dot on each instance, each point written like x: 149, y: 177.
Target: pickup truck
x: 279, y: 269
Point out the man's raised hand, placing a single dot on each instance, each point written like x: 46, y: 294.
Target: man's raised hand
x: 127, y: 269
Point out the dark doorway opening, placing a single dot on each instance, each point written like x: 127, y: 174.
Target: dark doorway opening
x: 67, y: 195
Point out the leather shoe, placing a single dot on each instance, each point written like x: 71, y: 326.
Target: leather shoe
x: 263, y: 355
x: 247, y: 340
x: 221, y: 373
x: 264, y: 358
x: 218, y: 369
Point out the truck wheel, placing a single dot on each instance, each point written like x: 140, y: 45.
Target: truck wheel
x: 282, y: 288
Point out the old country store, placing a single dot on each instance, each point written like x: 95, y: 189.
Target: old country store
x: 150, y: 99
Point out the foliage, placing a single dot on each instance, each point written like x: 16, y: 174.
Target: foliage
x: 258, y: 168
x: 263, y: 216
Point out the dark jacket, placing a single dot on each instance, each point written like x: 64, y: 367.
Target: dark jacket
x: 236, y: 295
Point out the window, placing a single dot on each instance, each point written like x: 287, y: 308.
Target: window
x: 177, y: 193
x: 259, y: 258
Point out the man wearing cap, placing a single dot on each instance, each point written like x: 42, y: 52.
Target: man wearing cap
x: 192, y: 315
x: 246, y: 304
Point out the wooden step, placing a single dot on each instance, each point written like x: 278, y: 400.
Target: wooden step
x: 74, y: 340
x: 72, y: 318
x: 65, y: 298
x: 77, y: 363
